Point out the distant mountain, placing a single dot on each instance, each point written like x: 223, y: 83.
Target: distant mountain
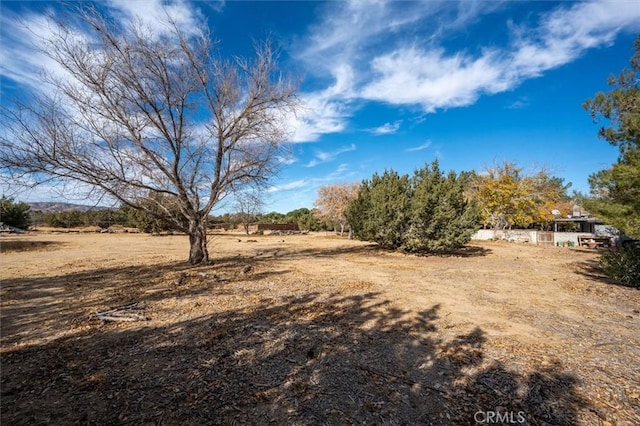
x: 62, y: 207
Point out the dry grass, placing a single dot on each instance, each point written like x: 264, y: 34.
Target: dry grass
x: 320, y: 331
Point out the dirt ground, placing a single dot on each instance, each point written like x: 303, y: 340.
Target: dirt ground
x: 320, y: 330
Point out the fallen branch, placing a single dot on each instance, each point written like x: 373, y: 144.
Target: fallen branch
x: 122, y: 317
x: 405, y: 379
x: 125, y: 313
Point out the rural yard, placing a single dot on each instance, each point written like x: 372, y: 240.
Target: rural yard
x: 311, y: 329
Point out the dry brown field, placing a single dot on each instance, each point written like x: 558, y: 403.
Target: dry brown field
x: 320, y: 330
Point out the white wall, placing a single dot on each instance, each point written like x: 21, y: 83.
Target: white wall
x: 560, y: 237
x: 515, y: 235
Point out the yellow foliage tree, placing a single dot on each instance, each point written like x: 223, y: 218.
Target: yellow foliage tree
x: 509, y: 197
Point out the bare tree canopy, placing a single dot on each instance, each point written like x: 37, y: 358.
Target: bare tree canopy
x: 148, y: 116
x: 333, y: 200
x: 248, y: 204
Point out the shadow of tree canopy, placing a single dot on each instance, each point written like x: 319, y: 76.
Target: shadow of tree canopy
x: 593, y: 270
x: 306, y: 360
x: 25, y: 245
x: 363, y: 249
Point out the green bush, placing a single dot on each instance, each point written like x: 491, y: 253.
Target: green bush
x: 623, y: 265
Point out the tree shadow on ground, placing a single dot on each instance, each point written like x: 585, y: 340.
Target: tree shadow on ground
x: 26, y: 245
x: 371, y: 250
x: 593, y: 270
x: 29, y: 304
x: 307, y: 359
x: 466, y: 251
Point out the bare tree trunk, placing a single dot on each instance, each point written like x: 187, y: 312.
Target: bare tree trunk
x: 341, y: 229
x: 198, y: 252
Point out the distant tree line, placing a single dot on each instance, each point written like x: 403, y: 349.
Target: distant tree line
x: 306, y: 219
x: 19, y: 215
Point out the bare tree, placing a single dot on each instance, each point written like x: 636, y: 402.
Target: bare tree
x: 333, y: 200
x: 248, y: 205
x: 145, y: 116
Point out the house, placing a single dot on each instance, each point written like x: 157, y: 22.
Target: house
x: 579, y: 228
x: 582, y: 229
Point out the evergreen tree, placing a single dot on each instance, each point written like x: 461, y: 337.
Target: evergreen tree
x: 616, y: 191
x: 14, y: 214
x: 441, y: 218
x: 380, y: 212
x: 428, y: 212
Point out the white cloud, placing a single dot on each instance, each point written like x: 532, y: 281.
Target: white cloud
x: 325, y: 157
x: 154, y: 13
x: 386, y: 128
x: 424, y: 146
x: 287, y: 160
x: 383, y: 51
x: 308, y: 185
x: 341, y: 172
x: 394, y: 60
x: 435, y: 79
x: 519, y: 103
x: 283, y: 197
x: 566, y: 33
x: 288, y: 186
x: 21, y: 57
x: 336, y: 48
x: 324, y: 111
x: 318, y: 116
x: 432, y: 79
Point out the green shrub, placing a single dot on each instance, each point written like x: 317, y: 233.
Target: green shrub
x: 623, y: 265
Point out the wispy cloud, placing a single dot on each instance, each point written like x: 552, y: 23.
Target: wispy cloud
x: 319, y: 115
x: 519, y: 103
x: 22, y: 59
x: 311, y: 185
x: 386, y: 129
x: 424, y: 146
x: 336, y: 48
x: 324, y: 111
x: 434, y: 78
x: 287, y: 160
x: 380, y: 51
x: 340, y: 172
x: 154, y: 13
x: 300, y: 183
x: 325, y: 157
x: 369, y: 38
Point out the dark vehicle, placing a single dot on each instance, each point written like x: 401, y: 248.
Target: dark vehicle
x: 630, y: 242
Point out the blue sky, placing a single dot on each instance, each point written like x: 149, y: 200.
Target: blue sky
x: 398, y: 84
